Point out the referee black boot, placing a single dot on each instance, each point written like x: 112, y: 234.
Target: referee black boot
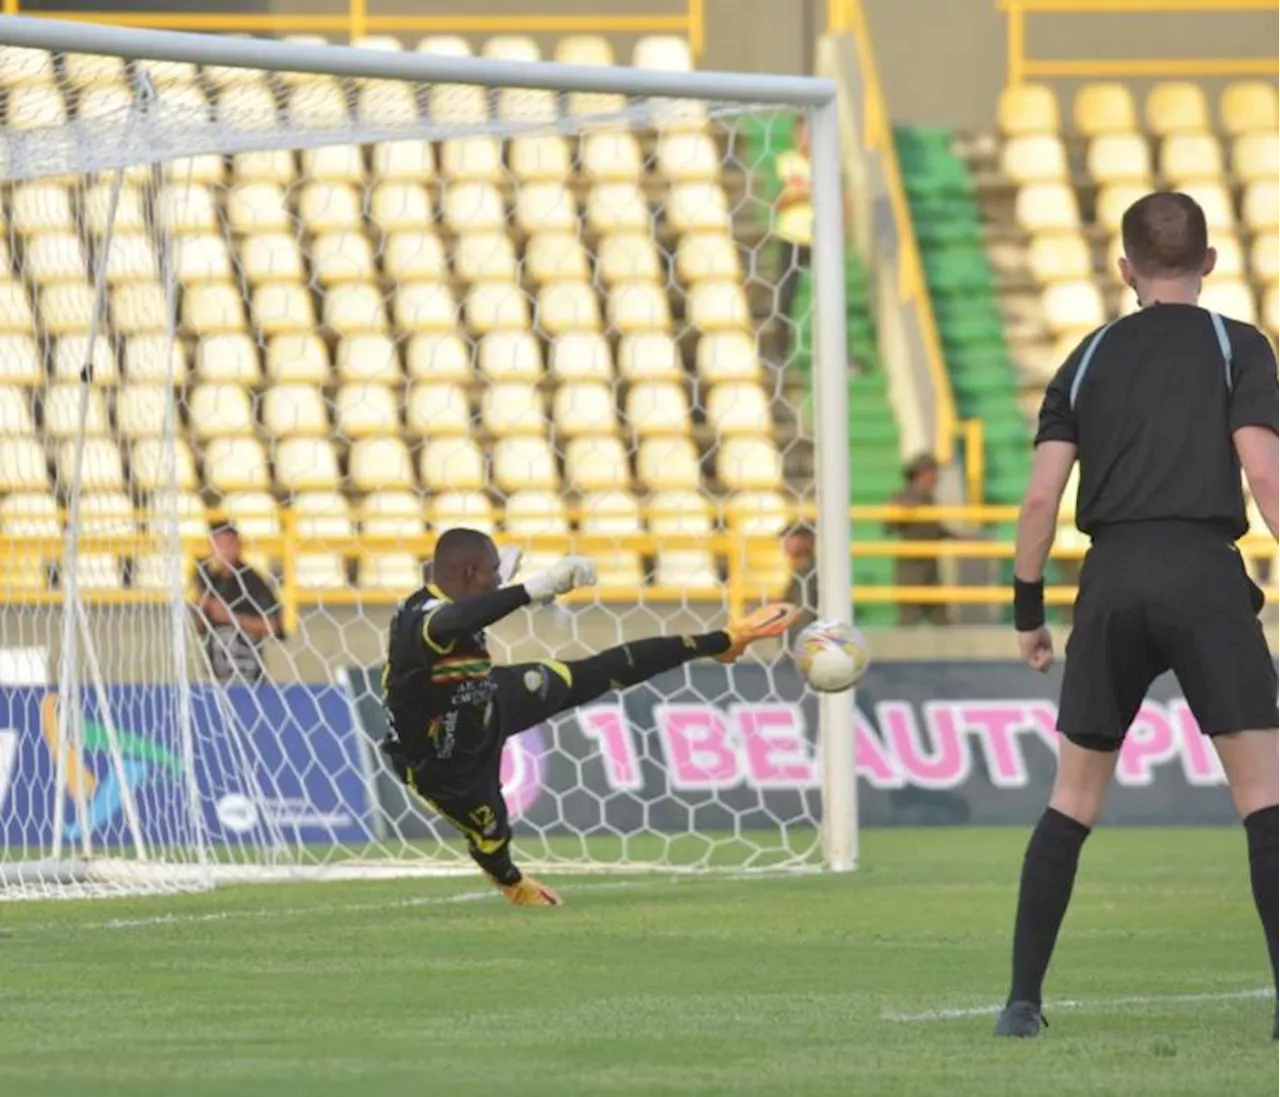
x: 1021, y: 1019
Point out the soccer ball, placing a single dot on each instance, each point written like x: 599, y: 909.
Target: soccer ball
x: 832, y: 656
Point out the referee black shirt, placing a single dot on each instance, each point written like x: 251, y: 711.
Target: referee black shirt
x: 1153, y: 417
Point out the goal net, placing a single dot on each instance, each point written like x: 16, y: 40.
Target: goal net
x: 343, y: 301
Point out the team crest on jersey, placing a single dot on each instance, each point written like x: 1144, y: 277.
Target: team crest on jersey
x: 536, y: 681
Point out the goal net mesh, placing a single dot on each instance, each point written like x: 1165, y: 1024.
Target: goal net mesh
x: 344, y: 315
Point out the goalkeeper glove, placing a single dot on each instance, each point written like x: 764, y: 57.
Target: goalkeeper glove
x: 527, y: 892
x: 566, y: 574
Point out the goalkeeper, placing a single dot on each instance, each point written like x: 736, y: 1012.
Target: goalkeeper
x: 451, y: 710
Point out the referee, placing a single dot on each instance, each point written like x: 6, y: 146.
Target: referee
x: 1162, y: 408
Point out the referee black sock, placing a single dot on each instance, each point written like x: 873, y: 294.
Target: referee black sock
x: 638, y: 661
x: 1260, y: 829
x: 1048, y: 874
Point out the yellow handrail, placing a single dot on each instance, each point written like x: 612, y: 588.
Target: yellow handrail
x: 1022, y: 68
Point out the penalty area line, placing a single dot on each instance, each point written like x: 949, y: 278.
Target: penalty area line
x: 1081, y: 1004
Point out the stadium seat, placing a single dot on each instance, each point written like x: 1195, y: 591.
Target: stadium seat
x: 1256, y: 157
x: 1113, y: 200
x: 717, y: 306
x: 438, y: 356
x: 462, y: 508
x: 235, y: 464
x: 257, y: 208
x: 596, y: 463
x: 209, y: 168
x: 397, y: 514
x: 531, y: 514
x: 105, y: 102
x: 159, y: 570
x: 294, y: 408
x: 248, y: 105
x: 322, y: 514
x: 107, y: 513
x: 1260, y: 205
x: 368, y: 357
x: 317, y: 102
x: 140, y: 411
x: 1028, y: 109
x: 496, y: 306
x: 414, y: 255
x: 220, y: 410
x: 279, y: 307
x: 707, y: 257
x: 1119, y: 158
x: 1271, y: 309
x: 264, y: 166
x: 387, y: 103
x: 334, y: 164
x: 16, y: 418
x: 658, y: 408
x: 411, y: 162
x: 379, y: 464
x: 438, y: 409
x: 471, y: 158
x: 1186, y: 157
x: 667, y: 52
x: 1036, y: 158
x: 666, y: 463
x: 556, y: 257
x: 271, y: 257
x: 628, y: 257
x: 611, y: 156
x: 1230, y: 264
x: 762, y: 517
x: 342, y: 257
x: 35, y: 106
x: 588, y: 50
x: 15, y: 309
x: 586, y: 407
x: 649, y: 356
x: 727, y: 356
x: 54, y: 257
x: 1264, y: 257
x: 297, y: 357
x: 739, y: 409
x: 129, y: 214
x: 580, y: 356
x: 21, y: 65
x: 157, y: 464
x: 640, y: 307
x: 329, y: 207
x: 354, y: 307
x: 473, y: 207
x: 485, y: 257
x: 86, y: 70
x: 749, y: 464
x: 1230, y: 298
x: 511, y: 47
x: 615, y: 514
x: 62, y: 412
x: 306, y: 463
x: 687, y: 157
x: 567, y: 306
x: 66, y: 307
x: 228, y: 357
x: 1104, y: 108
x: 510, y: 356
x: 20, y: 362
x: 526, y: 105
x: 131, y: 257
x: 1249, y: 106
x: 698, y: 207
x: 539, y: 158
x: 682, y: 513
x: 1056, y: 257
x: 362, y: 408
x: 28, y: 514
x: 545, y: 207
x: 512, y: 408
x: 210, y: 308
x: 187, y: 207
x: 154, y: 359
x: 23, y: 466
x: 1177, y: 107
x: 617, y: 207
x: 1047, y: 207
x: 1069, y: 306
x: 524, y: 463
x: 1215, y: 200
x: 70, y: 352
x: 402, y: 206
x: 202, y: 257
x: 452, y: 463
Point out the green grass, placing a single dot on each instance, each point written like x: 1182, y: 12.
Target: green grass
x: 783, y: 986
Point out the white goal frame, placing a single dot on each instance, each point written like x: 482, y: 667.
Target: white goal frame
x: 816, y: 97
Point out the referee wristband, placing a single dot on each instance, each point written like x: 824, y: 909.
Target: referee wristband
x: 1028, y: 604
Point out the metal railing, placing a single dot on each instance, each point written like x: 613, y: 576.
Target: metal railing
x: 1022, y: 67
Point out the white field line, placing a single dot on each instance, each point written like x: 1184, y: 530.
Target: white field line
x: 1082, y: 1004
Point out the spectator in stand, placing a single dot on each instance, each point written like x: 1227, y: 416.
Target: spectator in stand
x: 921, y: 476
x: 794, y: 222
x: 236, y: 610
x: 800, y: 545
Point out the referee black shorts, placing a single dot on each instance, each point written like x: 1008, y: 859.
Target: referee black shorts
x: 1159, y: 596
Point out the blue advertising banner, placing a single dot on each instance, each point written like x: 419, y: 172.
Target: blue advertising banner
x: 270, y: 764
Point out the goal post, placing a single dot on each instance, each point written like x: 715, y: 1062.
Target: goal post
x: 345, y: 298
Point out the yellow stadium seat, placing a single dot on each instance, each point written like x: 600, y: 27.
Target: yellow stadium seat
x: 1230, y: 298
x: 414, y: 255
x: 342, y: 257
x: 1104, y: 108
x: 129, y: 214
x: 658, y: 408
x: 297, y: 357
x: 362, y: 408
x: 512, y: 408
x: 511, y: 47
x: 698, y: 207
x: 424, y: 306
x: 1072, y: 305
x: 1249, y: 106
x: 154, y: 359
x: 527, y: 105
x: 84, y: 70
x: 485, y: 257
x: 368, y: 357
x: 717, y: 306
x: 131, y: 257
x: 611, y: 156
x: 248, y: 105
x: 341, y: 164
x: 20, y: 362
x: 510, y: 356
x: 1035, y: 158
x: 618, y: 207
x: 707, y: 257
x: 318, y: 102
x: 202, y: 257
x: 524, y: 463
x: 667, y: 52
x: 496, y: 306
x: 556, y: 257
x: 434, y: 409
x: 581, y: 356
x: 264, y: 166
x: 462, y: 508
x: 235, y: 464
x: 628, y: 257
x: 585, y: 407
x: 1177, y: 107
x: 614, y: 514
x: 253, y: 512
x: 739, y: 408
x: 15, y: 412
x: 1230, y: 264
x: 438, y: 356
x: 649, y: 356
x: 187, y: 207
x: 22, y: 65
x: 354, y: 307
x: 294, y: 408
x: 329, y: 207
x: 1058, y: 257
x: 220, y: 410
x: 682, y: 513
x: 15, y: 309
x: 1047, y: 207
x: 157, y: 464
x: 66, y: 307
x: 1114, y: 199
x: 1119, y: 158
x: 257, y: 208
x: 749, y: 464
x: 1264, y: 256
x: 62, y: 411
x: 322, y: 514
x: 397, y: 514
x: 473, y: 207
x: 1260, y: 205
x: 1216, y: 203
x: 54, y: 257
x: 70, y: 352
x: 101, y: 468
x: 596, y: 463
x: 1256, y: 157
x: 387, y: 103
x: 35, y: 106
x: 228, y: 357
x: 107, y: 513
x: 271, y: 257
x: 404, y: 206
x: 105, y: 102
x: 23, y: 466
x: 567, y: 306
x: 637, y: 307
x: 688, y: 157
x: 1271, y: 309
x: 471, y: 158
x: 538, y: 158
x: 280, y: 307
x: 379, y: 463
x: 727, y: 356
x: 588, y: 49
x: 534, y: 513
x: 32, y: 514
x: 159, y: 570
x: 410, y: 161
x: 668, y: 462
x: 1028, y: 108
x: 1190, y: 156
x: 41, y: 207
x: 545, y: 207
x: 452, y: 464
x: 306, y: 463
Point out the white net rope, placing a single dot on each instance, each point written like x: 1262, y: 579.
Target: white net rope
x: 345, y: 315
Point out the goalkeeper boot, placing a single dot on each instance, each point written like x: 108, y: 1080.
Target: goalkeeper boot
x: 765, y: 622
x: 527, y: 892
x: 1021, y: 1019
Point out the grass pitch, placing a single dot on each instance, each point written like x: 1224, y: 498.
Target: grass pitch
x: 778, y: 986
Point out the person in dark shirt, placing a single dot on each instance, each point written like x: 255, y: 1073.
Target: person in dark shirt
x: 920, y: 483
x: 1162, y: 409
x: 451, y: 710
x: 235, y: 610
x: 800, y: 546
